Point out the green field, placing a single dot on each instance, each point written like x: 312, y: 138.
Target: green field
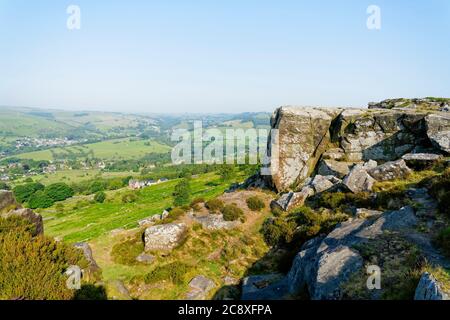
x: 92, y: 221
x: 118, y: 149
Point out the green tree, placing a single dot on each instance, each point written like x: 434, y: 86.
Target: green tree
x: 40, y: 199
x: 182, y: 193
x: 25, y: 191
x: 59, y: 191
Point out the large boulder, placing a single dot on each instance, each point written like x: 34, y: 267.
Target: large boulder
x: 358, y: 180
x: 7, y: 201
x: 430, y: 289
x: 323, y: 183
x: 28, y: 215
x: 291, y: 199
x: 335, y: 168
x: 303, y: 135
x: 421, y: 160
x: 164, y: 237
x: 438, y: 130
x: 87, y: 253
x: 390, y: 171
x: 324, y: 265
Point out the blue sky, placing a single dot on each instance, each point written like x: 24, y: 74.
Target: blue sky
x: 220, y: 56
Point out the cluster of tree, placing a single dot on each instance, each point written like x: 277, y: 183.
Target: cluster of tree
x: 36, y: 195
x: 99, y: 185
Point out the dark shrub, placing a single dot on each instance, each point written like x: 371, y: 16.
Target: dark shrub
x: 100, y: 197
x: 40, y: 199
x: 127, y: 251
x: 59, y: 191
x: 32, y: 268
x: 278, y: 231
x: 215, y: 205
x: 173, y: 272
x: 91, y: 292
x: 182, y: 193
x: 4, y: 186
x: 255, y: 203
x: 231, y: 212
x: 96, y: 186
x: 129, y: 197
x: 24, y: 192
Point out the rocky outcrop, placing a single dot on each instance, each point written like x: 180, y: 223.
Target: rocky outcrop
x: 30, y: 216
x: 433, y: 104
x: 303, y: 135
x: 7, y: 201
x: 390, y: 171
x: 153, y: 219
x: 10, y: 208
x: 429, y: 289
x: 87, y: 253
x: 164, y: 237
x: 438, y: 130
x: 200, y: 286
x: 324, y: 264
x: 291, y: 200
x: 327, y: 141
x: 421, y: 161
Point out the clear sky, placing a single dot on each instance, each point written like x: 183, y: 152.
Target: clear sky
x: 220, y: 56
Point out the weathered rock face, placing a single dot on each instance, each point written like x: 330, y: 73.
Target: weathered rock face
x: 292, y: 199
x: 325, y: 264
x: 358, y: 180
x: 28, y: 215
x: 421, y: 160
x: 87, y: 252
x: 335, y: 168
x: 436, y: 104
x: 430, y: 289
x: 164, y: 237
x: 338, y: 137
x: 390, y: 170
x: 7, y: 201
x: 438, y: 130
x: 303, y: 135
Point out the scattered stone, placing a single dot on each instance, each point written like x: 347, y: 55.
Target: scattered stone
x: 164, y: 237
x: 390, y: 171
x: 215, y: 222
x: 321, y: 184
x: 429, y: 289
x: 335, y: 168
x: 30, y: 216
x: 164, y: 215
x: 200, y: 286
x: 230, y: 281
x: 145, y: 258
x: 87, y: 252
x: 292, y: 199
x: 358, y: 180
x: 370, y: 164
x: 264, y: 287
x: 122, y: 289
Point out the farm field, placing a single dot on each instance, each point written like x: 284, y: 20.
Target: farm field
x: 117, y: 149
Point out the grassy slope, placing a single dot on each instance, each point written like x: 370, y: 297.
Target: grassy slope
x: 111, y: 149
x: 95, y: 220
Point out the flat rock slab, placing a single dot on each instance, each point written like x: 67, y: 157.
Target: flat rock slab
x: 164, y: 237
x: 200, y: 286
x: 390, y: 171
